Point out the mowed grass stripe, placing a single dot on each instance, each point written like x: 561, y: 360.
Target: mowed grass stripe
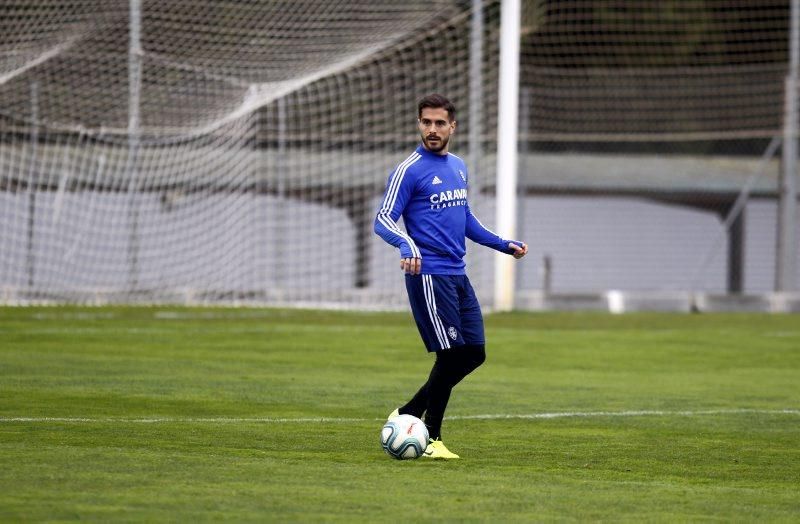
x: 331, y: 420
x: 173, y: 414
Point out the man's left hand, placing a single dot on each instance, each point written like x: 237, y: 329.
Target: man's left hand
x: 518, y: 252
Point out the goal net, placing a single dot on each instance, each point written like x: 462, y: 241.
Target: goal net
x: 200, y: 152
x: 235, y: 152
x: 646, y: 124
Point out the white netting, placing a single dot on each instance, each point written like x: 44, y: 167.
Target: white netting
x: 642, y: 121
x: 655, y: 70
x: 236, y: 151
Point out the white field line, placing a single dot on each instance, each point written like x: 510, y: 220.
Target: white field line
x: 328, y: 420
x: 641, y: 413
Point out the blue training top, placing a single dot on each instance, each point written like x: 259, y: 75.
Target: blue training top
x: 430, y: 192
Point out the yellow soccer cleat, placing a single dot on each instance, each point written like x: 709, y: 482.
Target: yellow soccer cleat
x: 437, y: 450
x: 395, y: 413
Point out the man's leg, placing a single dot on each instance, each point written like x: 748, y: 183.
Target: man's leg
x: 454, y: 364
x: 439, y: 307
x: 473, y: 356
x: 418, y: 403
x: 434, y: 304
x: 450, y: 368
x: 440, y: 384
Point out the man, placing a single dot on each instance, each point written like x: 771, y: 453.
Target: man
x: 429, y: 190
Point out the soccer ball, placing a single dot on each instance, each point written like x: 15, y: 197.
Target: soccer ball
x: 404, y: 437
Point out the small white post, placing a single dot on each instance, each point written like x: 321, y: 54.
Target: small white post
x: 786, y: 248
x: 507, y: 133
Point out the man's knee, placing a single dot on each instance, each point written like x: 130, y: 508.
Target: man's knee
x: 477, y: 354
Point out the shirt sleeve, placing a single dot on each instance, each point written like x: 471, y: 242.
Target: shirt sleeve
x: 478, y: 233
x: 397, y: 195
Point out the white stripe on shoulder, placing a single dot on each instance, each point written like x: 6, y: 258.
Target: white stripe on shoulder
x: 451, y: 154
x: 395, y: 181
x: 391, y: 198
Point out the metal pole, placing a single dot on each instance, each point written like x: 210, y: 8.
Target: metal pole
x: 786, y: 248
x: 735, y: 211
x: 134, y: 67
x: 281, y: 207
x: 507, y: 154
x: 134, y: 94
x: 33, y: 182
x: 475, y: 89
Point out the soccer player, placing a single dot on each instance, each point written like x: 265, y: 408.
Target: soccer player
x: 429, y: 190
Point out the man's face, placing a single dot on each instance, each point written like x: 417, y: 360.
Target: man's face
x: 435, y: 128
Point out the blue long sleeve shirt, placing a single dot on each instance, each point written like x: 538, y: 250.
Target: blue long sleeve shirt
x: 430, y: 192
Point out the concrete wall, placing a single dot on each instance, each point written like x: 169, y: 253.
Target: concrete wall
x: 246, y: 242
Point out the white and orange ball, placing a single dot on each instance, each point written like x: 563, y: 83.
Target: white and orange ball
x: 404, y: 437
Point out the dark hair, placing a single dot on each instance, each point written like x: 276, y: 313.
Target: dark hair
x: 436, y: 101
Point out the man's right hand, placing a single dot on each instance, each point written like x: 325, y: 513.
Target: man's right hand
x: 411, y: 266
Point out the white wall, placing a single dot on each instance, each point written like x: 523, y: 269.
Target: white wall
x: 235, y: 242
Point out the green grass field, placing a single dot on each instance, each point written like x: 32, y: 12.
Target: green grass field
x: 154, y: 414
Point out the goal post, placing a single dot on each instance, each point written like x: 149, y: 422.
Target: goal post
x: 507, y: 150
x: 786, y: 256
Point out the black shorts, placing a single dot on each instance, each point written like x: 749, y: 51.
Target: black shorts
x: 446, y: 310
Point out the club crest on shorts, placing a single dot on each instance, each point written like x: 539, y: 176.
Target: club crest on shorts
x: 452, y: 332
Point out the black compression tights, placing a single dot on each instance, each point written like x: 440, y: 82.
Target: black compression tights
x: 451, y: 366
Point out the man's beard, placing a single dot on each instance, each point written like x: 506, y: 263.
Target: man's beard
x: 437, y: 146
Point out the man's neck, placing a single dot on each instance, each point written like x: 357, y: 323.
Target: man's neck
x: 441, y: 152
